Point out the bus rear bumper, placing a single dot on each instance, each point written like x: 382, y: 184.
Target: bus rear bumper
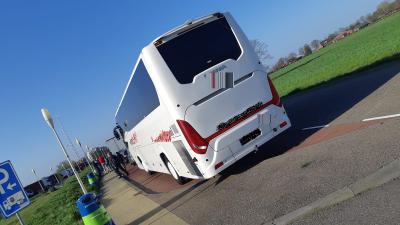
x: 228, y: 147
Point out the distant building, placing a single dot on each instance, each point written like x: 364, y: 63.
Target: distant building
x: 342, y: 35
x: 334, y: 38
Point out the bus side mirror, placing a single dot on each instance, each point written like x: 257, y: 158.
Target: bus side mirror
x: 116, y: 134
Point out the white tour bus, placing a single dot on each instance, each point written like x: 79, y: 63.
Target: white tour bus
x: 198, y: 100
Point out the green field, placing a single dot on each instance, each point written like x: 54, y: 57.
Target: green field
x: 373, y: 44
x: 53, y: 208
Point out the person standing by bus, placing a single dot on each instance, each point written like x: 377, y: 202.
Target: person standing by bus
x: 121, y: 160
x: 97, y: 167
x: 102, y: 162
x: 118, y: 165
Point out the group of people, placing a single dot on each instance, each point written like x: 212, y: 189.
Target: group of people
x: 111, y: 162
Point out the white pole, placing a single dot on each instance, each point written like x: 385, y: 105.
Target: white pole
x: 19, y: 219
x: 70, y: 142
x: 55, y: 175
x: 87, y: 160
x: 85, y: 155
x: 58, y: 181
x: 69, y: 161
x: 41, y: 186
x: 49, y: 121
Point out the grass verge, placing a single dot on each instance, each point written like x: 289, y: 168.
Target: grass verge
x: 375, y: 44
x: 57, y: 207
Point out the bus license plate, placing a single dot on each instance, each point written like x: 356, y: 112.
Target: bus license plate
x: 250, y: 136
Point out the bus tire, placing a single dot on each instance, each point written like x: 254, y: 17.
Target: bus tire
x: 149, y: 172
x: 174, y: 174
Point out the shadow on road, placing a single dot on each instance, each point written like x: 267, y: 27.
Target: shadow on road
x: 171, y: 201
x: 317, y: 106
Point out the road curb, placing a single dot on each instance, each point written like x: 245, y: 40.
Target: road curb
x: 382, y: 176
x: 376, y: 179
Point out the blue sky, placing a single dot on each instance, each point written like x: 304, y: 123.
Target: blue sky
x: 75, y: 57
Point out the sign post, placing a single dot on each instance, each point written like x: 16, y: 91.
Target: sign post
x: 12, y: 194
x: 19, y: 219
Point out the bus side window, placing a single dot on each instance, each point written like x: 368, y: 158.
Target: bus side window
x: 139, y: 100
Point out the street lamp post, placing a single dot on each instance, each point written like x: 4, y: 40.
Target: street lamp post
x: 49, y: 121
x: 84, y: 154
x: 41, y: 186
x: 55, y: 175
x: 88, y: 150
x: 70, y: 144
x: 89, y: 154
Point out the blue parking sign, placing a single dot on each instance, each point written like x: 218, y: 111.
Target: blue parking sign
x: 12, y: 194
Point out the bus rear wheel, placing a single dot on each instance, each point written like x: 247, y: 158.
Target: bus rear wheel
x: 149, y: 172
x: 172, y: 171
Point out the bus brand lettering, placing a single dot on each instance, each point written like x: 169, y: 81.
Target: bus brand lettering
x: 133, y: 139
x: 164, y: 136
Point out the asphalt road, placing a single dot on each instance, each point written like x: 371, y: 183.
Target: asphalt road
x: 301, y: 166
x: 377, y: 206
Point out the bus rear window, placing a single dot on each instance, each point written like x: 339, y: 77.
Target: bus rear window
x: 140, y: 99
x: 194, y: 51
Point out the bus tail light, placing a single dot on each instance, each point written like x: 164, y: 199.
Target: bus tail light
x: 196, y: 142
x: 275, y: 96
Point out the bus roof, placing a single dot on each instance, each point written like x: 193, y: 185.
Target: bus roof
x: 168, y: 35
x: 186, y: 26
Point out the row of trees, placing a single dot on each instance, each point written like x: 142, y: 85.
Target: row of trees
x: 385, y: 8
x: 262, y: 52
x: 306, y: 50
x: 65, y: 165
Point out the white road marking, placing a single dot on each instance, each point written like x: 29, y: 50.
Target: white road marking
x: 315, y: 127
x: 381, y: 117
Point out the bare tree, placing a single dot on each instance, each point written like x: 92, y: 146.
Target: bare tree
x: 301, y: 51
x: 396, y: 5
x: 282, y: 62
x: 63, y: 165
x: 307, y: 50
x: 363, y: 20
x: 292, y: 56
x: 261, y: 50
x: 383, y: 8
x: 315, y: 44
